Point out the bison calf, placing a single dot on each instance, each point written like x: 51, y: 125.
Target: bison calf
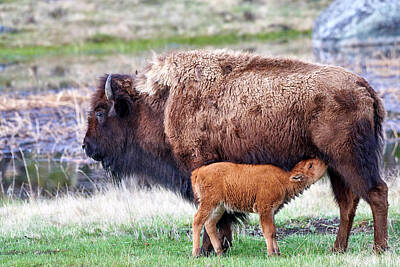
x: 262, y: 189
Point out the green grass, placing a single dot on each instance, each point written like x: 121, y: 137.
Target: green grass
x: 121, y: 226
x: 106, y: 44
x: 161, y: 245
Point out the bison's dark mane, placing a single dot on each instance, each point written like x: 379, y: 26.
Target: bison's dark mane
x: 157, y: 171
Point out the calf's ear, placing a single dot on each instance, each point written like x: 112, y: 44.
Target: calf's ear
x: 298, y: 177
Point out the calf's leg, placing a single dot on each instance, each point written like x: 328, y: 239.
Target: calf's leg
x: 269, y: 231
x: 211, y: 228
x: 199, y: 219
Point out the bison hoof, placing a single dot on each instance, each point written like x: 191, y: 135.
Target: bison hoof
x: 207, y: 253
x: 338, y: 249
x: 380, y: 249
x: 226, y: 244
x: 207, y: 248
x: 196, y: 253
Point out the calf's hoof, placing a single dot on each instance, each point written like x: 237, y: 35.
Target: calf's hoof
x: 219, y: 251
x: 274, y: 253
x: 196, y: 253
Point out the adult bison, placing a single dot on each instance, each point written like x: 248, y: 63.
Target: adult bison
x: 187, y: 109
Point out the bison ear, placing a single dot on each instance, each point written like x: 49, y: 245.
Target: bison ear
x: 122, y: 108
x: 298, y: 177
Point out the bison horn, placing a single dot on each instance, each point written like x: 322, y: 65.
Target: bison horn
x: 107, y: 88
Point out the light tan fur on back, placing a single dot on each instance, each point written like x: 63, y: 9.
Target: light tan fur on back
x: 248, y: 188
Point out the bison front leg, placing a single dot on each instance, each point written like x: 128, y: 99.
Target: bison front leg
x: 224, y: 233
x: 206, y: 247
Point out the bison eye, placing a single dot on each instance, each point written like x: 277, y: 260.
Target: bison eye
x: 100, y: 116
x: 310, y: 166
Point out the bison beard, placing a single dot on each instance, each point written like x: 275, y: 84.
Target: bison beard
x: 187, y: 109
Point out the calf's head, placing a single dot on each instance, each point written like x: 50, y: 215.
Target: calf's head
x: 308, y: 171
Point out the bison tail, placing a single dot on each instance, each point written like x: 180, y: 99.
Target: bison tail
x: 379, y: 112
x: 368, y: 143
x: 367, y: 151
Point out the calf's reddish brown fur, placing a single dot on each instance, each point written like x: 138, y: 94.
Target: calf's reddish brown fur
x: 262, y: 189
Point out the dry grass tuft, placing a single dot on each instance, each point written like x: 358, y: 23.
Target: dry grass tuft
x: 66, y: 98
x: 111, y: 208
x: 49, y: 122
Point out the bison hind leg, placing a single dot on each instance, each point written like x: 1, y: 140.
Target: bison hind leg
x: 353, y: 153
x: 347, y: 202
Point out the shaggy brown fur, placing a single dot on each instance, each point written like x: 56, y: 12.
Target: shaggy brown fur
x: 249, y: 188
x: 186, y: 109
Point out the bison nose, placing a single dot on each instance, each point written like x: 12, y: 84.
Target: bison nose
x: 88, y: 146
x: 85, y: 144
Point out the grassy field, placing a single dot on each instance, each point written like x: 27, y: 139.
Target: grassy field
x: 49, y: 65
x: 55, y: 247
x: 104, y: 44
x: 55, y: 23
x: 124, y: 226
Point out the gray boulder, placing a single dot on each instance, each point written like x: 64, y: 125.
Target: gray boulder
x: 360, y: 35
x: 358, y: 22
